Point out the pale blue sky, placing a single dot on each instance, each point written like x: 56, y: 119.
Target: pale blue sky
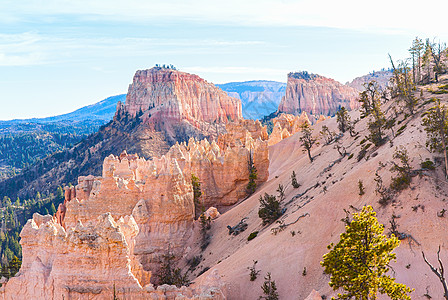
x: 59, y: 55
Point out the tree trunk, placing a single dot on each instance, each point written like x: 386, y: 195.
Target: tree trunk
x: 446, y: 161
x: 309, y: 155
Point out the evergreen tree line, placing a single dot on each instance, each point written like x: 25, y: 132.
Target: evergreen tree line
x: 24, y: 149
x: 13, y: 216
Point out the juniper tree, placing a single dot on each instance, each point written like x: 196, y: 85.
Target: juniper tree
x: 436, y: 127
x: 307, y: 139
x: 358, y: 264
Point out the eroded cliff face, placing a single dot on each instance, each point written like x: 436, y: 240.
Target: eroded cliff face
x: 169, y: 97
x: 112, y: 230
x: 92, y: 261
x: 316, y: 95
x: 286, y: 125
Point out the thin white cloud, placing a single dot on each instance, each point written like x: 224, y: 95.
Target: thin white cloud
x: 381, y: 15
x: 31, y: 48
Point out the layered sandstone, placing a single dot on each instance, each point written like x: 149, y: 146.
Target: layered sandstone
x: 316, y: 95
x: 112, y: 230
x: 286, y: 125
x: 92, y: 261
x: 167, y: 95
x: 240, y: 131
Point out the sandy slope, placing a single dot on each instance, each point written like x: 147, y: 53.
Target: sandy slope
x: 286, y: 256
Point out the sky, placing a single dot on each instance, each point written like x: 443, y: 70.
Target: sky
x: 59, y: 55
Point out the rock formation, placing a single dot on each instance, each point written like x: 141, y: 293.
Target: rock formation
x: 91, y: 261
x: 316, y: 95
x: 112, y: 230
x: 174, y: 107
x: 381, y: 77
x: 286, y: 125
x: 168, y: 97
x: 240, y: 131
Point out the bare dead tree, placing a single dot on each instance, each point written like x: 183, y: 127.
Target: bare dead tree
x: 439, y: 272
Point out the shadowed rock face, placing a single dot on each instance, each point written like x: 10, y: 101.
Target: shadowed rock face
x: 316, y: 95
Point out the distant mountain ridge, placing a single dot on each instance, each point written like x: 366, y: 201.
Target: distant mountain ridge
x: 259, y: 98
x: 102, y: 111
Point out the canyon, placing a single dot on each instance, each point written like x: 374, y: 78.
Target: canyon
x: 162, y: 106
x: 117, y: 227
x: 113, y: 229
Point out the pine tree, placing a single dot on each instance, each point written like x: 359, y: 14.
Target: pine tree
x: 169, y: 274
x: 253, y: 175
x: 359, y: 262
x: 343, y: 119
x: 269, y: 288
x: 52, y: 210
x: 416, y: 53
x: 294, y: 182
x: 436, y: 127
x: 403, y: 170
x: 197, y: 193
x: 376, y: 123
x: 269, y: 210
x: 14, y: 266
x: 4, y: 272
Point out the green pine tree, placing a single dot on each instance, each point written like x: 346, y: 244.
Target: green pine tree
x: 359, y: 263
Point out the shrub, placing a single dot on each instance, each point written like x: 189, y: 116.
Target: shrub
x: 253, y: 272
x: 252, y: 235
x: 269, y: 209
x: 361, y: 154
x: 403, y: 170
x: 194, y: 262
x: 361, y: 187
x: 294, y: 182
x: 428, y: 165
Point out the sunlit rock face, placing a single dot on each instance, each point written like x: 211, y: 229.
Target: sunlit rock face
x: 169, y: 96
x: 316, y: 95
